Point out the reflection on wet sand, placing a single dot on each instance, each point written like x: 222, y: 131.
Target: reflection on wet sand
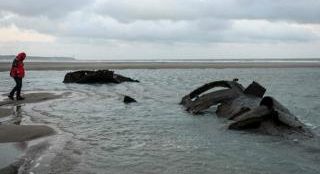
x: 17, y: 115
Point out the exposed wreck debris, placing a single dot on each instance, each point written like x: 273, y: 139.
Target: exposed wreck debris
x: 128, y: 99
x: 98, y: 76
x: 245, y: 107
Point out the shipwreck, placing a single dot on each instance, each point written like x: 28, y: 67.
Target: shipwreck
x: 246, y: 108
x: 96, y: 76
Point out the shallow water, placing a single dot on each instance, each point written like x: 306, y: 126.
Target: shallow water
x: 9, y: 153
x: 100, y: 134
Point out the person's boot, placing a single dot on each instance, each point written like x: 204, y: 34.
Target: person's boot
x: 20, y: 98
x: 10, y: 97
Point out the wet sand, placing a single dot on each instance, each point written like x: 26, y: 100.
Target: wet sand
x: 12, y: 132
x: 20, y: 133
x: 5, y: 66
x: 4, y: 112
x: 34, y: 97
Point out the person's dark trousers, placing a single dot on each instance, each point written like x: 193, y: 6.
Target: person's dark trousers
x: 17, y: 88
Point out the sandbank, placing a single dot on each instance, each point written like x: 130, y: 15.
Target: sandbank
x: 5, y: 66
x: 20, y: 133
x: 12, y: 132
x: 32, y: 97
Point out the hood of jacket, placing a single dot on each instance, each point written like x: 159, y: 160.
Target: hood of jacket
x: 21, y: 56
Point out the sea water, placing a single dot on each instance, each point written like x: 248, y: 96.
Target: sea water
x: 98, y: 133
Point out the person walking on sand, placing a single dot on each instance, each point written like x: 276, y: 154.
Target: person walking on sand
x: 17, y: 73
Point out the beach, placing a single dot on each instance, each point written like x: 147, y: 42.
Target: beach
x: 4, y: 66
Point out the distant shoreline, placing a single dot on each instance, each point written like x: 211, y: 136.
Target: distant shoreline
x: 5, y: 58
x: 5, y: 66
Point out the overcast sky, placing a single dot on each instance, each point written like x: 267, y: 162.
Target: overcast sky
x: 161, y: 29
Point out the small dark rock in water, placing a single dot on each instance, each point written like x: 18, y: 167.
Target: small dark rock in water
x: 98, y: 76
x: 128, y: 99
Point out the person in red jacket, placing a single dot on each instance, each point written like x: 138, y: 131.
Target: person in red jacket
x: 17, y: 73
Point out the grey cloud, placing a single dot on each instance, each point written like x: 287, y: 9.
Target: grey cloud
x: 306, y: 11
x: 49, y: 8
x: 165, y: 20
x: 203, y: 30
x: 144, y: 30
x: 41, y: 24
x: 96, y: 27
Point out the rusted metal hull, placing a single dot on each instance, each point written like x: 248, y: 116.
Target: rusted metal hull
x: 246, y: 108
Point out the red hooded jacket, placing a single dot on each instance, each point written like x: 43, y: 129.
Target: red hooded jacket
x: 17, y: 69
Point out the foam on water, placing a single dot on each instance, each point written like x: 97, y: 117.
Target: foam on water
x: 98, y: 133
